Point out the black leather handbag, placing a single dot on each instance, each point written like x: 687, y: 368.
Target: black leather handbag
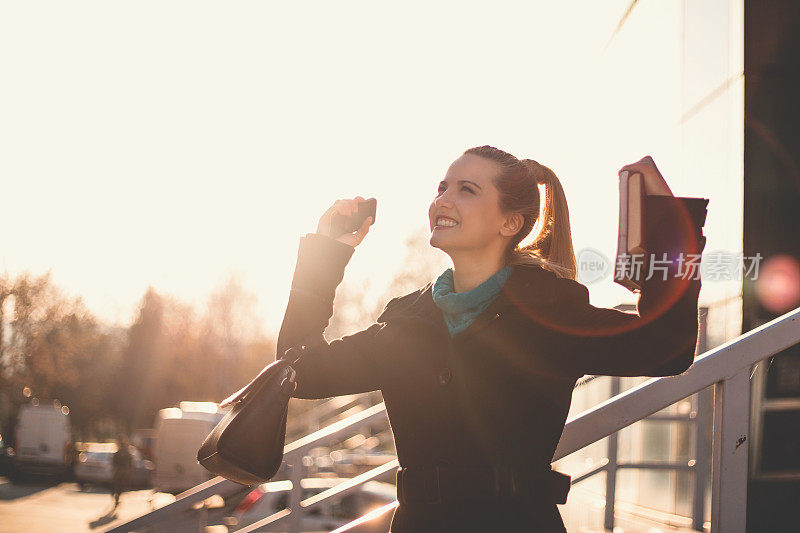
x: 247, y: 444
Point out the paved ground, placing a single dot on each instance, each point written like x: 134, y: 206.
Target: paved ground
x: 45, y: 508
x: 64, y: 508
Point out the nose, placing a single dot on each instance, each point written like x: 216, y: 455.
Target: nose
x: 443, y: 199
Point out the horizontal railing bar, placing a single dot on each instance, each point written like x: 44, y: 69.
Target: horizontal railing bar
x: 655, y: 465
x: 631, y: 509
x: 655, y: 394
x: 345, y: 487
x: 326, y: 409
x: 362, y: 520
x: 643, y: 465
x: 664, y: 518
x: 780, y: 404
x: 602, y: 467
x: 386, y: 470
x: 184, y: 501
x: 668, y: 418
x: 336, y: 430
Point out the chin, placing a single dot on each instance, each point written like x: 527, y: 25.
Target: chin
x: 436, y: 242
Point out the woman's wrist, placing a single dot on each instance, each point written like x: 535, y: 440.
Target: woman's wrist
x: 328, y: 237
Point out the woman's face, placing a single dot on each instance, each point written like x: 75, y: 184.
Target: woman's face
x: 467, y: 195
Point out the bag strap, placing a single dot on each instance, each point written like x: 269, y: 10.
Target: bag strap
x: 294, y: 353
x: 266, y: 372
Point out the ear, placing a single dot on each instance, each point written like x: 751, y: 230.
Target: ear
x: 512, y: 225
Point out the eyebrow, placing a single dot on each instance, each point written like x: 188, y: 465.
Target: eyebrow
x: 464, y: 181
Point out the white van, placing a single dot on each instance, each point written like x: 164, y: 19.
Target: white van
x: 179, y: 432
x: 43, y: 439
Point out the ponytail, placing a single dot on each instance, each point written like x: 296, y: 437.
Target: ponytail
x: 551, y: 247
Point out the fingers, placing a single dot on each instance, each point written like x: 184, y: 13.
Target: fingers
x: 634, y: 167
x: 344, y: 207
x: 347, y: 207
x: 365, y: 225
x: 641, y: 165
x: 354, y: 204
x: 354, y: 239
x: 363, y: 230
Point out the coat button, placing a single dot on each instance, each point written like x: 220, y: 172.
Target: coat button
x: 444, y: 376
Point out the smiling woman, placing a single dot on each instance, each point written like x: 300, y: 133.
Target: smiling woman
x: 477, y: 367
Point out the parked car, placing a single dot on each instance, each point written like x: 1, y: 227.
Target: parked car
x: 94, y: 466
x: 43, y: 440
x: 273, y: 496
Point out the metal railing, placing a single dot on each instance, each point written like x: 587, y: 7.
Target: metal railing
x: 697, y: 418
x: 726, y: 367
x: 293, y: 454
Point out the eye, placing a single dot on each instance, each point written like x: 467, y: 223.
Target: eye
x: 463, y: 187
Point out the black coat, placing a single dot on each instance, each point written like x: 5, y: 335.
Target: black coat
x: 499, y: 391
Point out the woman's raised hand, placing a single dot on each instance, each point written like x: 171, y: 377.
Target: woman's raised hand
x: 344, y: 207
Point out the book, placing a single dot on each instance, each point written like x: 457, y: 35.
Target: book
x: 648, y: 208
x: 631, y: 247
x: 634, y: 244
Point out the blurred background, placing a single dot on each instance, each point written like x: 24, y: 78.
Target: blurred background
x: 160, y: 161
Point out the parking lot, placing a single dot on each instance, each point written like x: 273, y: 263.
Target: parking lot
x: 42, y: 507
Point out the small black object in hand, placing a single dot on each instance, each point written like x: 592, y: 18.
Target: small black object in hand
x: 341, y: 224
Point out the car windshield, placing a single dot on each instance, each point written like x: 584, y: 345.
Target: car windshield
x: 98, y: 456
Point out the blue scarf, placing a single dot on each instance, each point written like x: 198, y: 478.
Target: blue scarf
x: 461, y: 308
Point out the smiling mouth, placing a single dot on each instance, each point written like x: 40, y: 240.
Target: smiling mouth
x: 448, y: 226
x: 445, y: 223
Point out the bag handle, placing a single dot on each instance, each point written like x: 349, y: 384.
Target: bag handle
x: 289, y: 381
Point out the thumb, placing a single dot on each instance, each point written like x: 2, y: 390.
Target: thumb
x: 362, y: 231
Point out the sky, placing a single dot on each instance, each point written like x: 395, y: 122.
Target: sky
x: 175, y: 144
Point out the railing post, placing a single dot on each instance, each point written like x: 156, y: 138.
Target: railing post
x: 296, y: 474
x: 703, y: 409
x: 730, y: 454
x: 703, y: 416
x: 611, y: 467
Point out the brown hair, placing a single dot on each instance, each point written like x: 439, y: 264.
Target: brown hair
x: 518, y: 187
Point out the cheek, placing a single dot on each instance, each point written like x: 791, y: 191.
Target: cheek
x: 472, y: 214
x: 477, y: 220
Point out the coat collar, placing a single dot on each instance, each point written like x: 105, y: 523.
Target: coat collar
x: 527, y: 287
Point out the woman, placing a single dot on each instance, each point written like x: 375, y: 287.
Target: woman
x: 477, y: 367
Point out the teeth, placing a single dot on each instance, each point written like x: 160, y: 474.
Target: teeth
x: 445, y: 222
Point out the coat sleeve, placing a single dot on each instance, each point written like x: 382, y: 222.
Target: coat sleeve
x: 660, y: 339
x: 347, y: 365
